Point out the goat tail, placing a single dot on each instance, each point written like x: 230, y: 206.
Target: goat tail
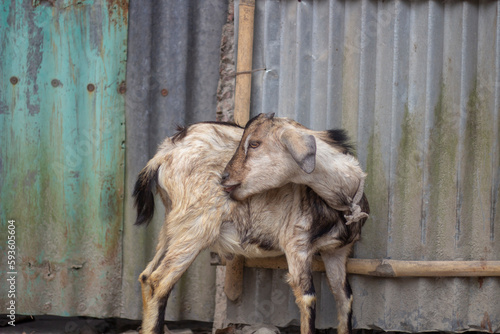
x: 143, y: 192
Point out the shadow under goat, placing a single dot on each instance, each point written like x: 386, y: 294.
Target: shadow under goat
x: 291, y: 219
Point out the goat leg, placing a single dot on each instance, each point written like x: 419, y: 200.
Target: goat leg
x: 153, y: 308
x: 147, y: 289
x: 335, y: 265
x: 300, y: 280
x: 162, y: 280
x: 161, y: 250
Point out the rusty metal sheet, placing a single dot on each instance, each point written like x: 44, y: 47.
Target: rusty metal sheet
x: 62, y: 134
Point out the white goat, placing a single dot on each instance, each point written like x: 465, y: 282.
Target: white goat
x: 291, y: 219
x: 275, y: 151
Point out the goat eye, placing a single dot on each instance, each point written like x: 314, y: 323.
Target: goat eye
x: 254, y: 144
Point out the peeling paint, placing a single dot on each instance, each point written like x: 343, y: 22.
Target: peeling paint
x: 118, y: 10
x: 58, y: 158
x: 33, y: 62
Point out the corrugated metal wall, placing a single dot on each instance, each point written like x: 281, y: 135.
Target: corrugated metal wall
x: 62, y: 131
x: 416, y: 84
x: 172, y: 76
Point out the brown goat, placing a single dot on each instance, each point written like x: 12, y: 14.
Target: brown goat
x: 291, y: 219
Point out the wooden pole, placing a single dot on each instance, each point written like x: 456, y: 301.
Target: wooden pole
x: 244, y: 62
x: 233, y: 284
x: 396, y: 268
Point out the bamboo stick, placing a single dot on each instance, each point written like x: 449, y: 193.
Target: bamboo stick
x: 244, y: 62
x: 396, y: 268
x: 233, y: 284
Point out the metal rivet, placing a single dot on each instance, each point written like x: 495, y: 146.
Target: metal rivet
x: 55, y: 82
x: 122, y: 88
x: 90, y: 87
x: 47, y: 307
x: 14, y: 80
x: 164, y: 92
x: 82, y: 307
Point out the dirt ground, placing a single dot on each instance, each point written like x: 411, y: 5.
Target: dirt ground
x: 84, y: 325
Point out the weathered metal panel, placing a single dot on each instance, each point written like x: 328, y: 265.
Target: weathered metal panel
x: 172, y: 76
x: 62, y: 154
x: 416, y: 84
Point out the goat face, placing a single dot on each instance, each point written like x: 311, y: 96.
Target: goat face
x: 268, y: 156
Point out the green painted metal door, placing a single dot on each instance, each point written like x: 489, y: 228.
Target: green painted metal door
x: 62, y: 132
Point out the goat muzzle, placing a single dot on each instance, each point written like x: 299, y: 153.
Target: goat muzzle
x: 229, y: 188
x: 224, y: 182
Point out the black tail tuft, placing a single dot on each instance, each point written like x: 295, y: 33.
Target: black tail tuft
x: 143, y: 194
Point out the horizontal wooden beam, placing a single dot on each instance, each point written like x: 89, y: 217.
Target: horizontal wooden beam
x: 399, y: 268
x: 395, y: 268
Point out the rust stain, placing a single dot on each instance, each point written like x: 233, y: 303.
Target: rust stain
x: 31, y: 273
x: 112, y: 249
x: 37, y: 3
x: 486, y: 323
x: 122, y: 88
x: 45, y: 269
x: 49, y: 272
x: 480, y: 280
x: 120, y: 7
x: 55, y: 83
x: 64, y: 278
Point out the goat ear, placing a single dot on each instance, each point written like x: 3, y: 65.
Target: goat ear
x: 302, y: 147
